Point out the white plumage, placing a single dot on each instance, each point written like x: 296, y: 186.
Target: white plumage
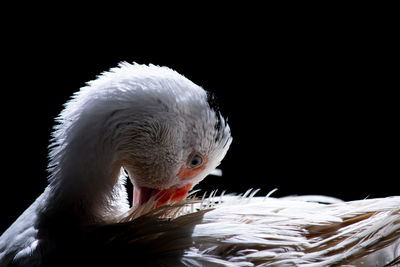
x: 158, y: 125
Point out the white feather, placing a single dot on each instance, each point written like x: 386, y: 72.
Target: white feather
x: 149, y: 119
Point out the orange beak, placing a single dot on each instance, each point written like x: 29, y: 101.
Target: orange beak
x: 142, y: 195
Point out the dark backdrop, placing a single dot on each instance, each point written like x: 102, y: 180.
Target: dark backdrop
x: 311, y: 105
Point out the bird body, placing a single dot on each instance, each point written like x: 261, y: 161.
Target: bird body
x: 280, y: 232
x: 159, y: 127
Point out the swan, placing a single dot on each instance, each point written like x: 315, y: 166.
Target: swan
x: 155, y: 127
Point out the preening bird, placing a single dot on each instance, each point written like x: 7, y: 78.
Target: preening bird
x: 158, y: 127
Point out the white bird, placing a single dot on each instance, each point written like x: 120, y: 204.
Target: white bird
x: 158, y: 126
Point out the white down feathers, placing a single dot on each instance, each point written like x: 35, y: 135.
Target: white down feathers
x: 148, y: 119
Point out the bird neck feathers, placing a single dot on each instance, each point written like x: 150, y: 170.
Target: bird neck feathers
x: 84, y: 168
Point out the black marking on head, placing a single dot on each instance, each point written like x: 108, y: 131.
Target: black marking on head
x: 221, y: 123
x: 212, y: 100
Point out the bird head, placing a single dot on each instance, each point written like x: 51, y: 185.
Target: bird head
x: 153, y: 122
x: 170, y: 138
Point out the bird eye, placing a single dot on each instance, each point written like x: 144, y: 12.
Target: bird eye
x: 195, y: 161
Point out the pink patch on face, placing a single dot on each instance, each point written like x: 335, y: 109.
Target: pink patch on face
x: 188, y: 173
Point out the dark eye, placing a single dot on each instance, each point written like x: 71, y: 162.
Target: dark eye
x: 195, y: 161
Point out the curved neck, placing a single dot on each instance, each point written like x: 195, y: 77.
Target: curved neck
x: 85, y: 181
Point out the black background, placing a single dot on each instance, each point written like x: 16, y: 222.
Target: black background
x: 311, y: 101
